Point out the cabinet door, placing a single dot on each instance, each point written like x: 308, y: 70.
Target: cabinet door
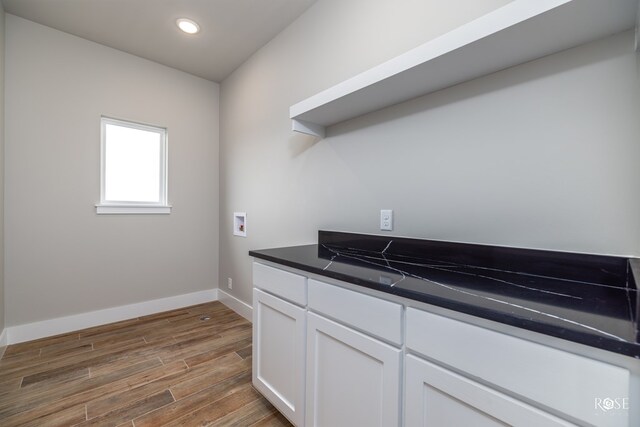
x: 437, y: 397
x: 352, y: 379
x: 279, y: 354
x: 561, y: 381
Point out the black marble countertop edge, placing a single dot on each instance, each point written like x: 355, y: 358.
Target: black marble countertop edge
x: 597, y: 341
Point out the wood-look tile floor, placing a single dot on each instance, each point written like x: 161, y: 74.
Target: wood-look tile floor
x: 168, y: 369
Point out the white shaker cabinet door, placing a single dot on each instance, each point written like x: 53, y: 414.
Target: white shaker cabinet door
x: 352, y: 379
x: 437, y: 397
x: 279, y: 354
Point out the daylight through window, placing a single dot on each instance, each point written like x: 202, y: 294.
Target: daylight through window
x: 134, y: 168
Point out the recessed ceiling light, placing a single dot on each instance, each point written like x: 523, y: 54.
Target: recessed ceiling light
x: 188, y: 26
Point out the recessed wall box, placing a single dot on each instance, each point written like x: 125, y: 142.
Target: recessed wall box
x: 240, y: 224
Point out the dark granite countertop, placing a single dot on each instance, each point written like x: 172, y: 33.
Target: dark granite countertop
x: 588, y: 299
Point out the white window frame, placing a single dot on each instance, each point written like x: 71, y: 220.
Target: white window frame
x: 128, y: 207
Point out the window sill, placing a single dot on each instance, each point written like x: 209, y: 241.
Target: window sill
x: 132, y: 210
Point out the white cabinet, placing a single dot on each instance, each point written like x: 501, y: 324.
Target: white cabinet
x: 352, y: 378
x: 278, y: 353
x: 325, y: 355
x: 328, y: 356
x: 438, y: 397
x: 555, y: 380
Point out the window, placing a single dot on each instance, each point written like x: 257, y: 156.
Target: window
x: 133, y: 168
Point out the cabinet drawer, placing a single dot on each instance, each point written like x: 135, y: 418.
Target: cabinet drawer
x: 289, y: 286
x: 374, y: 316
x: 555, y: 379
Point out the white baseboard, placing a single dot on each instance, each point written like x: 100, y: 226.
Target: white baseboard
x: 61, y: 325
x: 240, y: 307
x: 3, y: 342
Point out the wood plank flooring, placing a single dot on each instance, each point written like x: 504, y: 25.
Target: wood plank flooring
x: 167, y: 369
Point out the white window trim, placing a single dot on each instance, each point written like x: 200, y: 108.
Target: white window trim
x: 132, y: 210
x: 119, y: 208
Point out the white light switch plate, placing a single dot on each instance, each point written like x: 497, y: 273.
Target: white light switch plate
x: 386, y: 220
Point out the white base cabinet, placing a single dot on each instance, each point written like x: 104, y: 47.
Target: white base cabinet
x: 438, y: 397
x: 554, y: 380
x: 352, y: 378
x: 278, y: 353
x: 329, y: 356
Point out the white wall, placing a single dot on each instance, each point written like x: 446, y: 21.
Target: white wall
x: 2, y: 300
x: 62, y: 258
x: 542, y: 155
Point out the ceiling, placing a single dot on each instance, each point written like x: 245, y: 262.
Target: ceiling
x: 231, y: 30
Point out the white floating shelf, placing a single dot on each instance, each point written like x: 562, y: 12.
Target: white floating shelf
x: 519, y: 32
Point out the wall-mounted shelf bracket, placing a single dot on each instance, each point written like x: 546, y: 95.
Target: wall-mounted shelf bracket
x: 308, y: 128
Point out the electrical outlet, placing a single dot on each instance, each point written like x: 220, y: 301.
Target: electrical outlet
x: 229, y: 283
x: 386, y: 220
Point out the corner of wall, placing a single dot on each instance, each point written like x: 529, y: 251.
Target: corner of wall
x: 638, y: 29
x: 3, y: 342
x: 239, y: 306
x: 3, y: 334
